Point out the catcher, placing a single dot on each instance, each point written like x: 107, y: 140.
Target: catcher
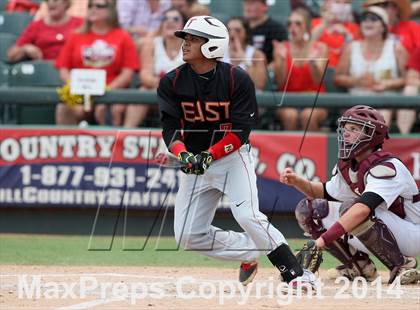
x: 371, y: 204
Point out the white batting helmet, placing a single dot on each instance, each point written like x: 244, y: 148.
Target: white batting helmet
x: 211, y: 29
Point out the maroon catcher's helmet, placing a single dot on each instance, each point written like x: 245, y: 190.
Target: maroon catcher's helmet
x: 372, y: 134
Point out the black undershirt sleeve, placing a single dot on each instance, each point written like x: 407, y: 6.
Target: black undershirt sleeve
x: 244, y: 105
x: 171, y: 128
x: 372, y: 200
x: 169, y: 109
x: 326, y: 195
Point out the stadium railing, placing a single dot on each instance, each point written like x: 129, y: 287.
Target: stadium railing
x: 48, y: 95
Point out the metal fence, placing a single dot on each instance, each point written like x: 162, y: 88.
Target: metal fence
x: 37, y: 95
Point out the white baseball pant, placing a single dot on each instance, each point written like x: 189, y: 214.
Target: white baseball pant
x: 196, y: 204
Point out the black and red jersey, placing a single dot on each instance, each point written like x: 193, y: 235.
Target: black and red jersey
x: 200, y: 109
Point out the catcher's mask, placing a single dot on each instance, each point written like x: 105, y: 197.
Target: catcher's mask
x: 373, y: 131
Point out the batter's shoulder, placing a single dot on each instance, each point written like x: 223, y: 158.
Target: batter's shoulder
x: 236, y: 72
x: 172, y: 76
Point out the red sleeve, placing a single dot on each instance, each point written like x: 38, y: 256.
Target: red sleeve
x: 227, y: 145
x: 178, y: 148
x: 414, y: 62
x: 28, y: 34
x: 64, y: 59
x: 130, y: 56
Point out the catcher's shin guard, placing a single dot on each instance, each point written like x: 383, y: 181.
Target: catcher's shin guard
x: 283, y: 258
x: 380, y: 241
x: 354, y: 262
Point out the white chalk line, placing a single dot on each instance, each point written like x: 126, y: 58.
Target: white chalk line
x: 90, y: 304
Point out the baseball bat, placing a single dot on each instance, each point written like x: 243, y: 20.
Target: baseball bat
x: 168, y: 160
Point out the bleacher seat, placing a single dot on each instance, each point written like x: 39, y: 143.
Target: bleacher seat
x: 279, y: 10
x: 3, y: 4
x: 224, y: 9
x: 357, y: 5
x: 7, y: 111
x: 7, y: 40
x: 37, y: 73
x: 14, y: 23
x: 330, y: 86
x: 4, y: 74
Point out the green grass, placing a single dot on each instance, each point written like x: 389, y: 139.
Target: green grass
x: 73, y: 251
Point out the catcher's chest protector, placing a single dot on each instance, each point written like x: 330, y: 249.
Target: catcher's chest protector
x: 357, y: 179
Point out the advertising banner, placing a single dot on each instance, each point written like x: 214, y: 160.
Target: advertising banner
x: 46, y: 167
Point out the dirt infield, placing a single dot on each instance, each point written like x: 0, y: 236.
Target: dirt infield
x: 42, y: 287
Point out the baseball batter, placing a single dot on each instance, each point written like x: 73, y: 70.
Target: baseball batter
x: 380, y: 202
x: 207, y: 110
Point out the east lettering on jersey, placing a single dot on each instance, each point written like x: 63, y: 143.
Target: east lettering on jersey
x: 200, y: 109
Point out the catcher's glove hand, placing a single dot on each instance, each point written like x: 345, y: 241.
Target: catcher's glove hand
x: 203, y: 162
x: 310, y: 257
x: 187, y: 160
x: 67, y: 98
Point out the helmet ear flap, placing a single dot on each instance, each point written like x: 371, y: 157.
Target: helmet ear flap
x: 211, y: 51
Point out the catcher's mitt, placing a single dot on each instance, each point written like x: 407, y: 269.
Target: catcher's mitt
x: 310, y: 257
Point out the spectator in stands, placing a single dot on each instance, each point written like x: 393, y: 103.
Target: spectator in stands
x: 142, y: 17
x: 415, y: 7
x: 405, y: 117
x: 375, y: 64
x: 299, y: 66
x: 23, y: 6
x: 263, y: 28
x: 335, y: 28
x: 242, y: 54
x: 44, y: 39
x: 190, y: 8
x: 78, y: 8
x: 401, y: 29
x: 160, y: 55
x: 313, y: 6
x: 100, y: 44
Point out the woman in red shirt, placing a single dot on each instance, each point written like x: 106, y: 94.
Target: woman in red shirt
x: 298, y: 66
x: 100, y: 44
x: 43, y: 39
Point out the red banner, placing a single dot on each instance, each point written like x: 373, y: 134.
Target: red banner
x: 39, y: 145
x: 91, y: 167
x: 307, y: 155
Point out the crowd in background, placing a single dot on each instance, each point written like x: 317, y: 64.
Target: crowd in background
x: 373, y: 51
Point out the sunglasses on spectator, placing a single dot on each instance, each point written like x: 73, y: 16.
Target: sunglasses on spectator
x: 235, y: 29
x: 386, y: 5
x: 370, y: 17
x: 175, y: 19
x: 98, y: 5
x: 294, y: 22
